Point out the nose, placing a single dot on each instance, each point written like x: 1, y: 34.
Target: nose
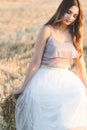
x: 71, y: 16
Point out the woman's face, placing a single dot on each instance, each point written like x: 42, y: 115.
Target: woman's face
x: 71, y: 15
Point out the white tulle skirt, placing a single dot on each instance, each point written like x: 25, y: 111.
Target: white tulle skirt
x: 54, y: 99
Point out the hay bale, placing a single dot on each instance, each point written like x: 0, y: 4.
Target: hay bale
x: 8, y: 112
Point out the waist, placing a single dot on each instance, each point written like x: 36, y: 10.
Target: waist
x: 57, y: 62
x: 52, y: 67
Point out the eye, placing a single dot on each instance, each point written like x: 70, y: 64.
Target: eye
x: 68, y: 11
x: 75, y: 16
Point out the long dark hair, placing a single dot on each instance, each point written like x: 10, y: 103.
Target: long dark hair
x: 77, y: 25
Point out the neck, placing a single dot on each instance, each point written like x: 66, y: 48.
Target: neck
x: 62, y: 27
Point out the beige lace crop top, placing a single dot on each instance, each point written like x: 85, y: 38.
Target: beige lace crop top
x: 58, y: 54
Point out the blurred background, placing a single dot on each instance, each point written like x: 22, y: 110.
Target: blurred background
x: 20, y: 21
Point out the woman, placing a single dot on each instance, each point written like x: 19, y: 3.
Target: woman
x: 52, y: 96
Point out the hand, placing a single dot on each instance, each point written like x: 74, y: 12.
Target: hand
x: 17, y: 93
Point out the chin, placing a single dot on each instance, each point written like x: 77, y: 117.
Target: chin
x: 67, y: 23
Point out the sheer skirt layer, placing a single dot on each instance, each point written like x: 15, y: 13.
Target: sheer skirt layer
x: 54, y: 99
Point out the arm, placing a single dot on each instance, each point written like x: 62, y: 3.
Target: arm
x: 81, y: 69
x: 36, y: 59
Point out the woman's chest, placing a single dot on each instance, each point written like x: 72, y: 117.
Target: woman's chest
x: 61, y: 49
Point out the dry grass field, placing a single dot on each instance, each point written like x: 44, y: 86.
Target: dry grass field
x: 20, y: 21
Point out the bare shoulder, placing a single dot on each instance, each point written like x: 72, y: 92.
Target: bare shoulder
x: 40, y: 44
x: 46, y: 27
x: 45, y: 30
x: 43, y: 35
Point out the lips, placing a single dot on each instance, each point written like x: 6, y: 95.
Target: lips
x: 67, y: 20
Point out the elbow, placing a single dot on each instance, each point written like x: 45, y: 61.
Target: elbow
x: 38, y: 63
x: 35, y: 63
